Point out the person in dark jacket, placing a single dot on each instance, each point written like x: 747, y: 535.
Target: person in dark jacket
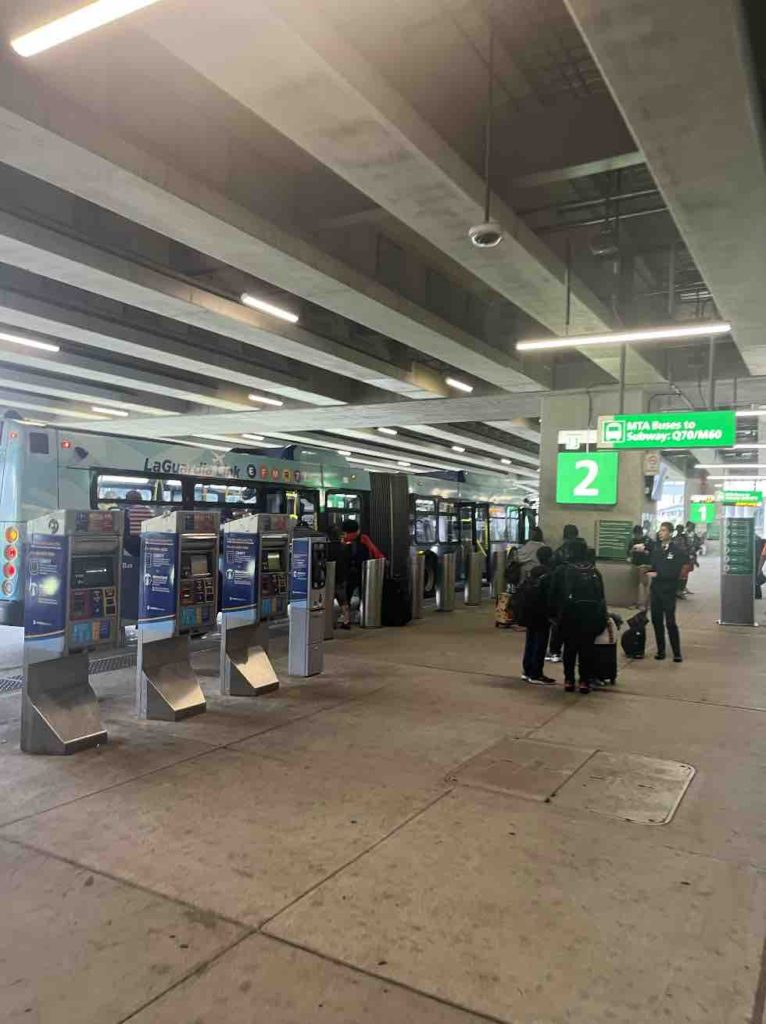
x: 560, y: 557
x: 357, y: 549
x: 538, y: 622
x: 667, y: 561
x: 578, y: 604
x: 640, y: 556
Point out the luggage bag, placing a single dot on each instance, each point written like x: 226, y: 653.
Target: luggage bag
x: 605, y: 654
x: 396, y: 607
x: 504, y: 617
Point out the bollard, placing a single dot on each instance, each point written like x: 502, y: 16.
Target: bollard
x: 417, y: 580
x: 329, y: 602
x: 499, y: 568
x: 373, y: 574
x: 445, y: 582
x: 473, y: 578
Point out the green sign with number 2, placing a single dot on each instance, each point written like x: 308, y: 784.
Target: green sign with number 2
x: 587, y: 478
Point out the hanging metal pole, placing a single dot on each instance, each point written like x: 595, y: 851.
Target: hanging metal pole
x: 488, y: 127
x: 623, y: 360
x: 672, y: 281
x: 734, y: 393
x: 711, y: 374
x: 568, y: 286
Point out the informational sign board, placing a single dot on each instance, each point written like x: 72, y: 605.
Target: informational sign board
x: 240, y: 568
x: 741, y: 499
x: 738, y: 571
x: 685, y: 429
x: 299, y: 576
x: 45, y: 598
x: 158, y: 595
x: 587, y: 478
x: 612, y: 538
x: 702, y: 511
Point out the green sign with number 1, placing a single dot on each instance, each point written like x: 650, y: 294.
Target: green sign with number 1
x: 587, y: 478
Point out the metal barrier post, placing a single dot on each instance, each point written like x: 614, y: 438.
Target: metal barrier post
x: 329, y: 602
x: 499, y: 569
x: 473, y: 578
x: 445, y: 582
x: 373, y: 574
x: 417, y: 580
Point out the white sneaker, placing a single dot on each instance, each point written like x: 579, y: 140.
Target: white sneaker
x: 555, y: 658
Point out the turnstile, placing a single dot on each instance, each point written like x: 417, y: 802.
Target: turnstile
x: 71, y: 606
x: 253, y: 592
x: 178, y: 597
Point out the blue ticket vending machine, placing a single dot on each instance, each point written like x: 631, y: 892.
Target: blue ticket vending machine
x: 254, y: 593
x: 71, y: 607
x: 308, y: 577
x: 178, y: 597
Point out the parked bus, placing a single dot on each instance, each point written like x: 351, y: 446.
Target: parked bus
x: 42, y: 469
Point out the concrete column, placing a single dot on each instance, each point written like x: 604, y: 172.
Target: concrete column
x: 577, y: 412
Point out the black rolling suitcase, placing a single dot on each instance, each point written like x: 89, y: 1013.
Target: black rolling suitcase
x: 634, y: 637
x: 396, y: 607
x: 605, y: 654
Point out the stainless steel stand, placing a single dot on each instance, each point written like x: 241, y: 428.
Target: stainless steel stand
x: 445, y: 582
x: 329, y: 602
x: 246, y: 669
x: 166, y: 686
x: 417, y: 580
x: 473, y: 578
x: 59, y: 710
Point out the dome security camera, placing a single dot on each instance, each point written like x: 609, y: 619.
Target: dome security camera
x: 486, y: 236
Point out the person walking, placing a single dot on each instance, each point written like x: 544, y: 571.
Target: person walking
x: 667, y: 560
x: 560, y: 556
x: 682, y: 544
x: 640, y: 555
x: 536, y: 617
x: 359, y: 549
x: 578, y: 603
x: 527, y: 553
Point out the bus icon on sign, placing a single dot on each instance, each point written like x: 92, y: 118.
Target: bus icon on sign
x: 612, y: 430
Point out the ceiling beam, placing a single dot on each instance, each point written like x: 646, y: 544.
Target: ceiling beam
x: 682, y: 75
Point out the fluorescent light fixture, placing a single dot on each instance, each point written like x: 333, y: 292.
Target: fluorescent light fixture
x: 751, y: 412
x: 738, y: 479
x: 254, y: 437
x: 194, y: 444
x: 746, y: 447
x: 387, y: 430
x: 15, y: 339
x: 457, y: 448
x: 266, y: 401
x: 34, y: 423
x: 506, y: 462
x: 404, y: 465
x: 270, y: 308
x: 458, y: 385
x: 708, y: 329
x: 104, y: 410
x: 343, y: 451
x: 734, y: 465
x: 77, y: 23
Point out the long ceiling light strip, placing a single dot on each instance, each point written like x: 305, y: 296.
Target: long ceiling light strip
x: 16, y: 339
x: 268, y: 307
x: 74, y: 24
x: 709, y: 329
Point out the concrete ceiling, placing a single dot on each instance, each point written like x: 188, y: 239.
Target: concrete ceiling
x: 148, y: 178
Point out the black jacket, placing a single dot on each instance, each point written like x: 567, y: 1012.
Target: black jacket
x: 562, y: 554
x: 641, y: 557
x: 559, y: 586
x: 667, y: 561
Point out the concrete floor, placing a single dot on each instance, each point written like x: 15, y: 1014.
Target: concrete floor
x: 326, y: 853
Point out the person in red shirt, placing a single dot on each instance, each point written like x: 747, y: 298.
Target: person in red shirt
x: 358, y: 549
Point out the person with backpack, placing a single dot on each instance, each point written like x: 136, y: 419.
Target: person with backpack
x: 560, y: 556
x: 578, y: 604
x: 357, y: 549
x: 668, y: 560
x: 640, y: 555
x: 527, y: 553
x: 533, y: 613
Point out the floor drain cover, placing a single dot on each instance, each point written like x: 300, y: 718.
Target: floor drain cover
x: 628, y: 786
x: 528, y: 768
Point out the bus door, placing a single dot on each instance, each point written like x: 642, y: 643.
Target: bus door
x: 482, y: 534
x: 424, y: 537
x: 303, y: 506
x: 467, y: 533
x: 340, y: 505
x: 515, y: 525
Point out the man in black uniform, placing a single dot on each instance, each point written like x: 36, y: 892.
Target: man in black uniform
x: 667, y: 560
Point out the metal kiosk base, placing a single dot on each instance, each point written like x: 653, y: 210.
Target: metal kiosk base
x: 59, y: 710
x: 246, y: 669
x: 167, y: 688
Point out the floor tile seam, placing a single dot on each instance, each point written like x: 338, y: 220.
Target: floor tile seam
x: 129, y: 883
x: 189, y: 975
x: 384, y: 978
x: 418, y: 812
x: 114, y: 785
x: 622, y: 691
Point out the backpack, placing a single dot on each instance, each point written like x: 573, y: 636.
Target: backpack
x: 634, y: 638
x: 529, y: 602
x: 584, y: 603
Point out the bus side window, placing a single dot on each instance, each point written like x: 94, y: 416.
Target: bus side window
x: 39, y: 443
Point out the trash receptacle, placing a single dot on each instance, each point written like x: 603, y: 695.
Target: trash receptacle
x: 499, y: 569
x: 329, y: 601
x: 473, y: 577
x: 417, y: 580
x: 445, y: 582
x: 373, y: 574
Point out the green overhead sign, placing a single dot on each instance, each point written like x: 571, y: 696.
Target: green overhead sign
x: 668, y: 430
x: 742, y: 499
x: 702, y: 511
x: 587, y: 478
